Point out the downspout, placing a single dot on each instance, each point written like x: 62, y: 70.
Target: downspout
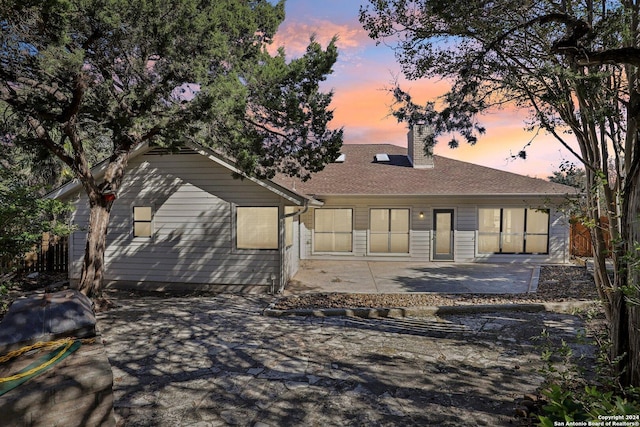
x: 304, y: 210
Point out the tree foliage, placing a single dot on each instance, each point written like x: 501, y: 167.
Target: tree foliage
x: 574, y: 66
x: 80, y: 77
x: 82, y: 70
x: 569, y: 174
x: 25, y: 216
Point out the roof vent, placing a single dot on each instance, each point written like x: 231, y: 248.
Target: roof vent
x: 341, y: 158
x: 381, y: 158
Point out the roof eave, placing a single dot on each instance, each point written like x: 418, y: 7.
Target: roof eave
x: 284, y: 192
x: 446, y: 195
x: 97, y: 171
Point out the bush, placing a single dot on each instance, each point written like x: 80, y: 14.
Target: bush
x: 24, y: 217
x: 569, y: 395
x: 589, y: 405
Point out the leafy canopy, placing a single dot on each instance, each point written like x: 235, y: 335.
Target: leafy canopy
x: 569, y: 174
x: 545, y: 56
x: 77, y: 73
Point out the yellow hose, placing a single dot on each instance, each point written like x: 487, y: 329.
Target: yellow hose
x: 67, y: 342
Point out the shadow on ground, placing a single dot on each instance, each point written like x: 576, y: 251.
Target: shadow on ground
x: 217, y: 360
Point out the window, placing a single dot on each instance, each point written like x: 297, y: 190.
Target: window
x: 333, y: 230
x: 142, y: 221
x: 513, y: 230
x: 537, y: 231
x: 257, y: 228
x: 389, y: 231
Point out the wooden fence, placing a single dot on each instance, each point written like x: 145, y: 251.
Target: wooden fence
x: 51, y: 256
x: 580, y: 238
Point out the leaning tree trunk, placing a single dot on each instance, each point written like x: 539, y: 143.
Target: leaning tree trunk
x: 101, y: 199
x: 91, y: 279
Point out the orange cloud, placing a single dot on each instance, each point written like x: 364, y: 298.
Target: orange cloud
x: 364, y: 111
x: 362, y: 105
x: 505, y: 137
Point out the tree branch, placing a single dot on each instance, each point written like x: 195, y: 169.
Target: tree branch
x: 51, y: 90
x: 43, y: 136
x: 152, y: 132
x: 625, y: 55
x: 578, y: 28
x: 265, y: 128
x: 79, y: 89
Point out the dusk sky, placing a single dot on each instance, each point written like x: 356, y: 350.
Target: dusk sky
x: 362, y: 106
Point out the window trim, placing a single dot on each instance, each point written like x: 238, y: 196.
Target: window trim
x: 313, y: 235
x: 151, y: 222
x: 500, y: 234
x: 389, y: 233
x: 235, y: 230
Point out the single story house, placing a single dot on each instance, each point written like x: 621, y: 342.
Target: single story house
x: 181, y: 220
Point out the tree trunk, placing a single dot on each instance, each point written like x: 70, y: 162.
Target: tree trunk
x: 91, y: 280
x: 101, y: 199
x: 619, y: 333
x: 632, y: 377
x: 626, y: 339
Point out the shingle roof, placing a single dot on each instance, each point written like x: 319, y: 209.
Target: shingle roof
x: 360, y: 175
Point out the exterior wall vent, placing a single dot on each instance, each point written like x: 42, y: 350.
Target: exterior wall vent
x: 341, y: 158
x: 161, y: 151
x: 381, y: 158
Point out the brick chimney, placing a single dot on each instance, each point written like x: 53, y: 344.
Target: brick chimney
x: 416, y: 146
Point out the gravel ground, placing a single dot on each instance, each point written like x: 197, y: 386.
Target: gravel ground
x: 556, y: 284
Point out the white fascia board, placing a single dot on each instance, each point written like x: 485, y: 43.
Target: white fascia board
x: 99, y: 170
x: 296, y: 198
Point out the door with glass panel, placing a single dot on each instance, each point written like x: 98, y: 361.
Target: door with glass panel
x: 443, y: 234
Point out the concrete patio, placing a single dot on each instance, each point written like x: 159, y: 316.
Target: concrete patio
x: 401, y: 277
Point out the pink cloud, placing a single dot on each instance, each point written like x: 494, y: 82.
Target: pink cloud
x: 363, y: 109
x: 294, y: 36
x: 362, y: 106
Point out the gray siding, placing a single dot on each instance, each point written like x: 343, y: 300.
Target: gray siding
x: 291, y: 255
x: 193, y: 199
x: 465, y: 233
x: 465, y: 228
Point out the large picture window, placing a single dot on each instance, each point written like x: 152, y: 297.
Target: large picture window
x: 257, y: 228
x: 389, y: 231
x: 333, y: 230
x: 513, y: 230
